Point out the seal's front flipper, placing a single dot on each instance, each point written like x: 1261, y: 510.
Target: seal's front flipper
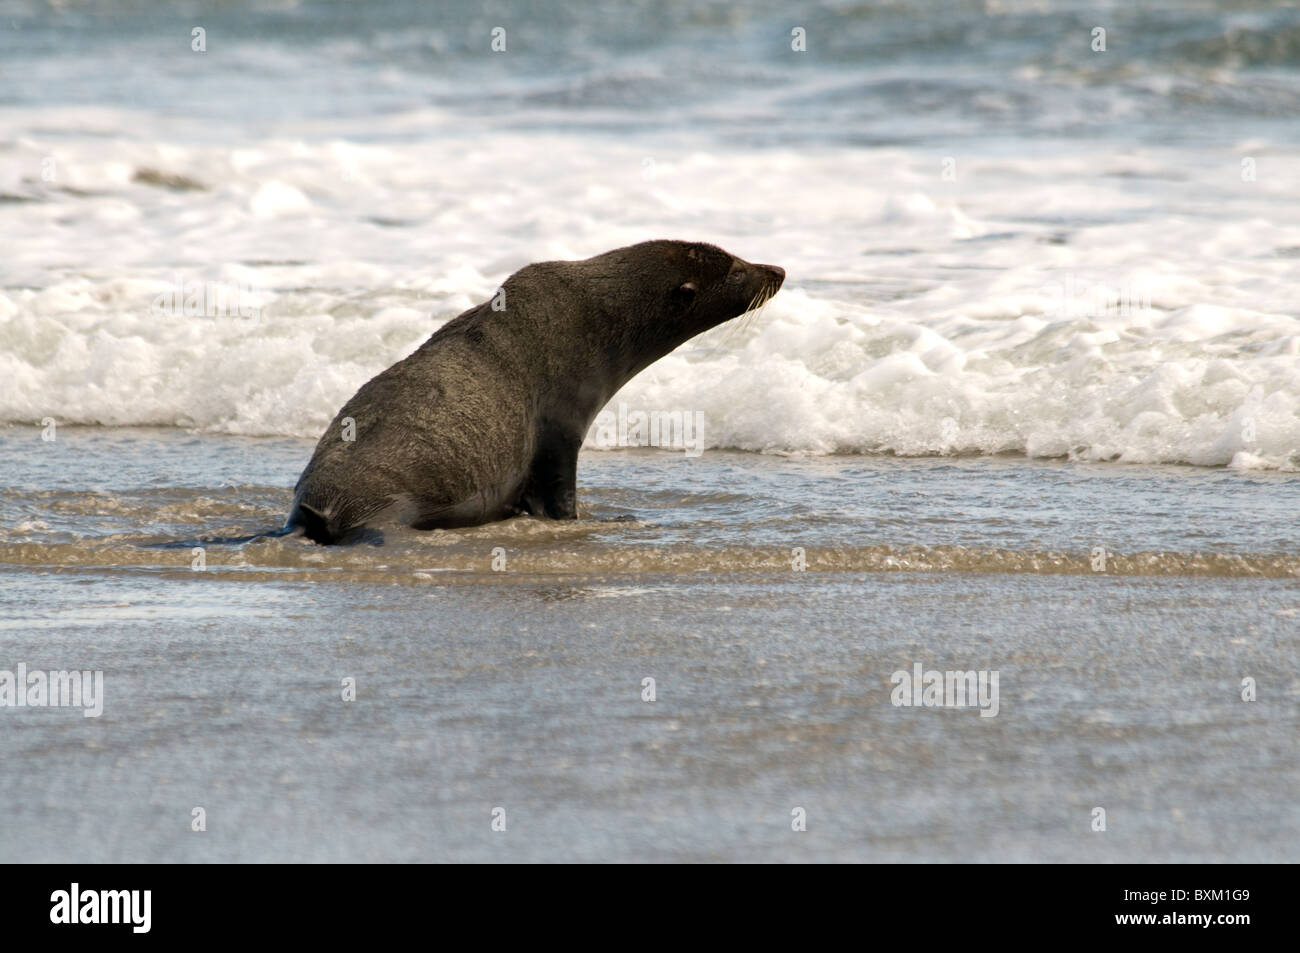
x: 552, y: 487
x: 313, y: 524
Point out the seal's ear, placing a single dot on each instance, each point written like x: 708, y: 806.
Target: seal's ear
x: 684, y: 296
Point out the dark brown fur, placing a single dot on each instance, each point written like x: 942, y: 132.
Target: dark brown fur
x: 485, y: 419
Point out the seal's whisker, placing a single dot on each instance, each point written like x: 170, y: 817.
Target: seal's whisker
x: 737, y: 326
x: 747, y: 317
x: 754, y: 313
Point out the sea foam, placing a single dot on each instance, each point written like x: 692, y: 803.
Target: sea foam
x: 1041, y: 305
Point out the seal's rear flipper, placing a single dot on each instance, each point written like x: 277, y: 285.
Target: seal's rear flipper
x: 223, y: 540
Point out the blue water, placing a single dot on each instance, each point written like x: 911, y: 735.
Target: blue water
x: 871, y: 73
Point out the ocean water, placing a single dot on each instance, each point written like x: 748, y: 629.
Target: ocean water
x: 1028, y: 401
x: 997, y: 240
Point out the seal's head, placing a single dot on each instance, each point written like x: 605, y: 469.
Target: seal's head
x: 719, y: 285
x: 681, y: 289
x: 615, y: 314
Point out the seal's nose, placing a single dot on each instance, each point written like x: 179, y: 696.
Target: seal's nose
x: 776, y: 271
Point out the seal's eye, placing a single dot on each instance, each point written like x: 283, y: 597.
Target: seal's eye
x: 685, y: 294
x: 736, y: 277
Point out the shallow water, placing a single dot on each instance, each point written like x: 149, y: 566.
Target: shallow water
x: 521, y: 688
x: 108, y: 497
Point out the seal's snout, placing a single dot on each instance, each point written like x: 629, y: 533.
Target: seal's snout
x: 773, y: 275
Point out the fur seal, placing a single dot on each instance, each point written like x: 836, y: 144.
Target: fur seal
x: 485, y: 419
